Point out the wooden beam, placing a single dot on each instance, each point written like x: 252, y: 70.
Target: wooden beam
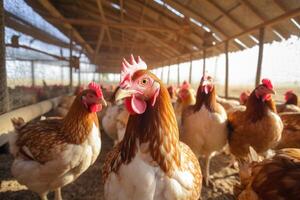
x: 36, y: 50
x: 4, y: 96
x: 204, y: 62
x: 178, y: 74
x: 106, y: 28
x: 32, y: 73
x: 189, y: 13
x: 20, y: 25
x: 70, y: 61
x: 99, y: 42
x: 226, y: 14
x: 55, y: 13
x: 191, y: 69
x: 256, y: 12
x: 96, y: 23
x: 28, y: 113
x: 168, y: 80
x: 226, y: 69
x: 260, y: 55
x: 291, y: 14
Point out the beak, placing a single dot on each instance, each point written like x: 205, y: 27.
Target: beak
x: 103, y: 102
x: 271, y: 91
x: 121, y: 94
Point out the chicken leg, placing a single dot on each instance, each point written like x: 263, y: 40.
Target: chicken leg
x: 206, y: 168
x: 58, y: 194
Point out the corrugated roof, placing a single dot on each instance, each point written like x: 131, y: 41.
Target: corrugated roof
x: 164, y: 31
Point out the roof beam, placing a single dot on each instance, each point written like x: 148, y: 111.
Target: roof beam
x: 55, y: 13
x: 220, y: 9
x: 101, y: 10
x: 95, y: 23
x: 189, y: 13
x: 291, y: 14
x: 22, y: 26
x: 256, y: 12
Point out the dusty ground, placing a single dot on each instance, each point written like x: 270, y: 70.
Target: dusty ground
x: 89, y: 185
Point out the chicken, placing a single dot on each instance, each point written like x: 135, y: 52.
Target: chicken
x: 186, y: 97
x: 204, y: 125
x: 228, y: 104
x: 244, y: 97
x: 276, y: 178
x: 115, y: 119
x: 258, y: 126
x: 150, y: 162
x: 291, y: 131
x: 291, y: 103
x: 172, y: 93
x: 63, y: 107
x: 52, y: 153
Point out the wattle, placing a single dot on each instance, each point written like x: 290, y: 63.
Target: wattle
x: 95, y: 107
x: 135, y: 105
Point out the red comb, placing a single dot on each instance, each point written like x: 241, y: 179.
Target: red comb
x: 94, y: 86
x: 289, y: 92
x: 185, y: 85
x: 128, y: 69
x: 267, y: 83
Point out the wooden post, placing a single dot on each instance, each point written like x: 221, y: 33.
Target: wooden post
x: 204, y: 57
x: 4, y: 96
x: 62, y: 75
x: 178, y: 74
x: 162, y: 74
x: 32, y: 73
x: 227, y: 69
x: 168, y: 81
x: 191, y: 69
x: 79, y: 77
x: 70, y: 60
x: 260, y: 55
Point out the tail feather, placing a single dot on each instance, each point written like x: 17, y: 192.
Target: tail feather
x: 18, y: 123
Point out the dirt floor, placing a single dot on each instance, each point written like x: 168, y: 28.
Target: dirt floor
x: 90, y: 187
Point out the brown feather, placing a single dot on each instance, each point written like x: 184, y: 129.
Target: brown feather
x: 47, y: 137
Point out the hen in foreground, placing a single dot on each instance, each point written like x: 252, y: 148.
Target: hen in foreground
x: 258, y: 126
x: 52, y: 153
x: 204, y: 125
x: 276, y: 178
x: 150, y: 162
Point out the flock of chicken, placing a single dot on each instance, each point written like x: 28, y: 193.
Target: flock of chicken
x: 160, y: 133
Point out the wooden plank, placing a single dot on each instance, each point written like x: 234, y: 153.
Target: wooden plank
x: 256, y: 12
x: 178, y: 74
x: 260, y: 55
x: 168, y: 80
x: 101, y: 10
x: 55, y: 13
x: 291, y: 14
x: 32, y: 74
x: 204, y: 62
x: 226, y: 14
x: 226, y: 69
x: 70, y: 60
x: 28, y: 113
x: 191, y: 69
x: 99, y: 43
x: 97, y: 23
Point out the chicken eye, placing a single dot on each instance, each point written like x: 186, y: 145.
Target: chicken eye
x: 144, y: 81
